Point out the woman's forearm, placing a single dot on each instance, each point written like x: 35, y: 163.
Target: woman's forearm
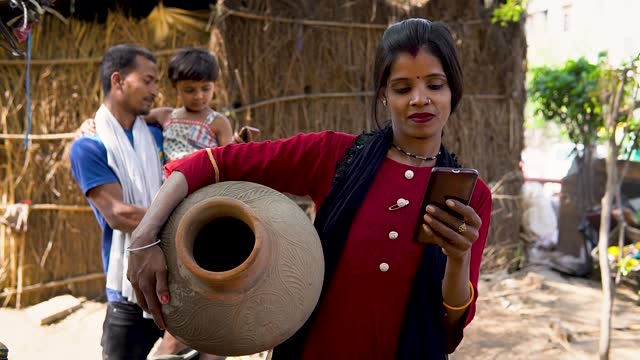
x: 172, y: 192
x: 456, y: 293
x: 455, y: 284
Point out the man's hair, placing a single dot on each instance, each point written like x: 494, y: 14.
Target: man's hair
x: 193, y: 64
x: 121, y: 58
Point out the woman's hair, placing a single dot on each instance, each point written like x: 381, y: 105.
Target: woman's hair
x: 193, y: 64
x: 409, y: 36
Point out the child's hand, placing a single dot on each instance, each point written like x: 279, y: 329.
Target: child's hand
x: 245, y: 135
x: 88, y: 127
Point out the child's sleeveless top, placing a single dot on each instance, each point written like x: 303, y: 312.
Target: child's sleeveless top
x: 183, y: 136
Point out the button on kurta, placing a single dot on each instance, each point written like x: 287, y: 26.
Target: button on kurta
x: 400, y: 203
x: 393, y: 235
x: 384, y: 267
x: 408, y: 174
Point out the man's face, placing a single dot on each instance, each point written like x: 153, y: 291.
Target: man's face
x: 139, y: 88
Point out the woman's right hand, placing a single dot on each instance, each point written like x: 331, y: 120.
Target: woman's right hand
x: 147, y: 270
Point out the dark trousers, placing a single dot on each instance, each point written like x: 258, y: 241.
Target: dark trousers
x: 126, y: 335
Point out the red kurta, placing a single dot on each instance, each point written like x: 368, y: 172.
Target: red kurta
x: 362, y: 311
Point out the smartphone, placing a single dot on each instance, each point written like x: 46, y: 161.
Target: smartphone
x: 248, y: 133
x: 444, y: 184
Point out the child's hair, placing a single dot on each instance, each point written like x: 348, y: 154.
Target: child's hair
x: 193, y: 64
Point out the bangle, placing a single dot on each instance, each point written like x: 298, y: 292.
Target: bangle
x: 466, y: 304
x: 129, y: 249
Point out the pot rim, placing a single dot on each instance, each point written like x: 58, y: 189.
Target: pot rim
x: 206, y: 211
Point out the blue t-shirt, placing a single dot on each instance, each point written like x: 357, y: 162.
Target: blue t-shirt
x: 90, y: 169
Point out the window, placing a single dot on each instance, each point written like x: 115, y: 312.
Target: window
x: 566, y: 17
x: 537, y: 22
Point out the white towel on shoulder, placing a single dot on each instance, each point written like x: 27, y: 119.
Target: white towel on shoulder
x: 139, y: 171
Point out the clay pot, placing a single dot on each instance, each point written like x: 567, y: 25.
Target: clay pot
x: 245, y: 269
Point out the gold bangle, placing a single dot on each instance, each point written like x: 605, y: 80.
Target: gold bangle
x: 465, y: 305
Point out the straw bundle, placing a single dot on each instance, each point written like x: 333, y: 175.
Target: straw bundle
x: 165, y: 21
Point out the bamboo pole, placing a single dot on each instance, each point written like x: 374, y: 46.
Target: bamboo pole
x: 352, y: 25
x: 80, y: 61
x: 301, y: 97
x: 21, y: 246
x: 252, y: 16
x: 44, y: 137
x: 70, y: 208
x: 53, y: 284
x: 13, y: 256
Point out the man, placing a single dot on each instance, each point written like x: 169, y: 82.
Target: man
x: 119, y: 171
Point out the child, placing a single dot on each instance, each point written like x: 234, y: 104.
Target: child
x: 195, y: 125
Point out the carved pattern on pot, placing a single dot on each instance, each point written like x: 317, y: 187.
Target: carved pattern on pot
x: 261, y: 299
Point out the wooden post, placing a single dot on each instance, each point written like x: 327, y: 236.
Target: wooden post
x: 21, y: 237
x: 53, y: 284
x: 9, y: 195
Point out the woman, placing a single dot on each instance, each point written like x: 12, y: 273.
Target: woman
x: 385, y: 295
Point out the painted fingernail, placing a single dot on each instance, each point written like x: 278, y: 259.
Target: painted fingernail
x: 164, y: 299
x: 431, y: 209
x: 428, y: 218
x: 451, y: 203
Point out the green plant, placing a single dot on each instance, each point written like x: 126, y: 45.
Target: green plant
x: 509, y: 11
x: 569, y: 96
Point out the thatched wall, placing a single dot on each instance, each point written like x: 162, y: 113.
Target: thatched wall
x: 292, y: 75
x: 61, y: 242
x: 279, y: 59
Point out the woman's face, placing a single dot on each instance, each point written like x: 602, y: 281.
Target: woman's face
x: 418, y: 96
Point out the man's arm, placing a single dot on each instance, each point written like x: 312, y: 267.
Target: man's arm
x: 119, y: 215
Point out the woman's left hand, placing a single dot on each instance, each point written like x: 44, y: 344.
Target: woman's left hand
x: 453, y: 235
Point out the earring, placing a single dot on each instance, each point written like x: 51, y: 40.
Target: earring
x: 384, y: 102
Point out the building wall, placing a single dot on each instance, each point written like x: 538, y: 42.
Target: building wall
x: 558, y: 30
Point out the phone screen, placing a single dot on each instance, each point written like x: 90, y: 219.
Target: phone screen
x: 445, y: 184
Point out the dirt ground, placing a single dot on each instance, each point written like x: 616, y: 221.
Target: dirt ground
x: 533, y: 314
